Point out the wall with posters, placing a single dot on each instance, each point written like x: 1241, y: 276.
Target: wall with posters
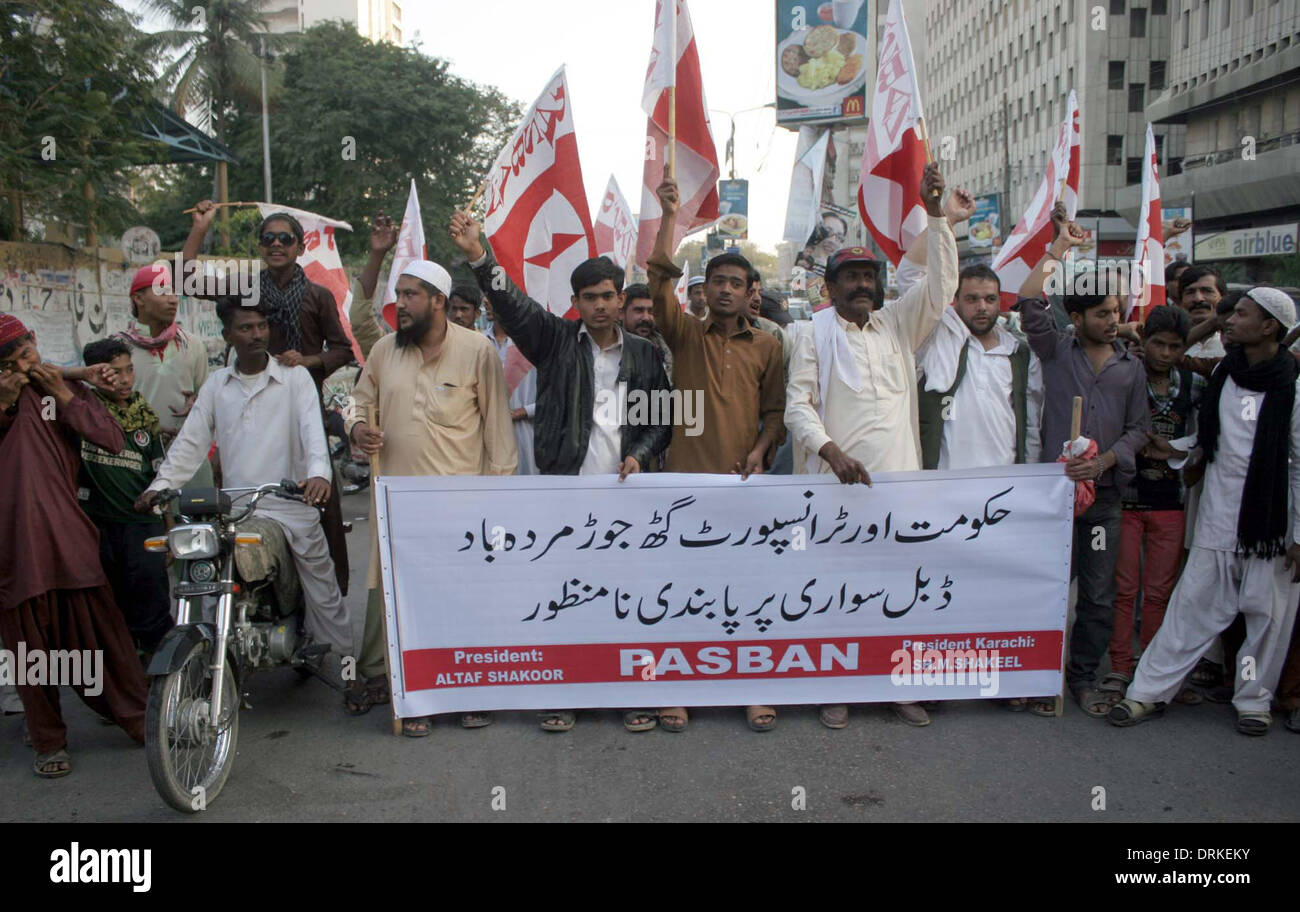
x: 69, y: 298
x: 825, y: 60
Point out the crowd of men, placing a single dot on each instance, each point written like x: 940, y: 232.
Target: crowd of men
x: 1187, y: 469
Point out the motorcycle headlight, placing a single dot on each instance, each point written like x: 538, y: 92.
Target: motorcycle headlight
x: 191, y: 542
x: 203, y: 571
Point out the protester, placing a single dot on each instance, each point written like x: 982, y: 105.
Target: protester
x: 440, y: 393
x: 240, y: 409
x: 304, y: 330
x: 463, y: 304
x: 53, y: 592
x: 523, y: 409
x: 1245, y: 555
x: 1092, y: 364
x: 110, y: 485
x: 170, y: 364
x: 696, y: 301
x: 1172, y: 273
x: 367, y: 327
x: 852, y: 405
x: 735, y: 371
x: 639, y: 318
x: 754, y: 306
x: 584, y: 368
x: 1151, y: 536
x: 981, y: 397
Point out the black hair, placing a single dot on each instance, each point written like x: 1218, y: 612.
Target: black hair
x: 730, y: 259
x: 1171, y: 271
x: 1168, y: 318
x: 1195, y: 273
x: 754, y: 275
x: 467, y: 293
x: 228, y: 306
x: 1091, y: 278
x: 12, y: 345
x: 281, y: 217
x: 1228, y: 303
x: 102, y: 351
x: 979, y: 271
x: 593, y: 272
x: 637, y: 291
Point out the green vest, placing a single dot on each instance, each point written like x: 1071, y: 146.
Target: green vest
x: 933, y: 403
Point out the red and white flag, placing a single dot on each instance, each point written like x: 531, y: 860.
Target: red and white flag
x: 615, y: 227
x: 893, y: 159
x: 697, y: 157
x: 1033, y: 233
x: 537, y: 218
x: 683, y: 286
x: 410, y: 246
x: 321, y: 261
x: 1149, y: 253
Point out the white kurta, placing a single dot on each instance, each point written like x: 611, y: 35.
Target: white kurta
x: 979, y: 429
x: 1217, y: 583
x: 267, y: 431
x: 878, y: 424
x: 603, y: 453
x: 525, y: 397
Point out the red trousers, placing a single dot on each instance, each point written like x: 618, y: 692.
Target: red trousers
x: 1159, y: 535
x: 77, y: 619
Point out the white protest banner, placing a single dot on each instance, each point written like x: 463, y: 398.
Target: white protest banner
x: 531, y: 592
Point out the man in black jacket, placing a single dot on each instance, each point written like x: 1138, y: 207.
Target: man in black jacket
x: 586, y: 371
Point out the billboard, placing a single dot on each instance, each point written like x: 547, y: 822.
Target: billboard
x: 986, y: 224
x: 825, y: 60
x: 733, y: 203
x: 1247, y: 243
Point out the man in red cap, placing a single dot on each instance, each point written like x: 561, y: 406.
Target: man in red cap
x: 53, y: 592
x: 170, y: 364
x: 851, y: 403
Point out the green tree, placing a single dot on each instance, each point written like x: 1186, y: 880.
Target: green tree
x: 357, y: 121
x: 215, y: 66
x: 71, y: 92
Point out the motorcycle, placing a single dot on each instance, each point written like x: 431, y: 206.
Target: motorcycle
x: 238, y: 609
x: 353, y: 475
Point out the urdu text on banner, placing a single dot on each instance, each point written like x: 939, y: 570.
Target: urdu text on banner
x: 532, y: 592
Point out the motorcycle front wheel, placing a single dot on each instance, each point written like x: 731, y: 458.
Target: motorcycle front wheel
x: 189, y: 756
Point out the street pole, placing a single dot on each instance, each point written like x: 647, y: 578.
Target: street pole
x: 266, y: 129
x: 1006, y: 220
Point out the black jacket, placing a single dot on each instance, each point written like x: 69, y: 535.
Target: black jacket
x: 565, y: 378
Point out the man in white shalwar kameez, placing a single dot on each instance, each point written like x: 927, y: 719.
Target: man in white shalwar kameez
x: 1245, y: 554
x: 265, y: 419
x: 851, y: 401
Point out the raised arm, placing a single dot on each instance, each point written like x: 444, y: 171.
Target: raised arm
x: 534, y: 330
x: 663, y: 273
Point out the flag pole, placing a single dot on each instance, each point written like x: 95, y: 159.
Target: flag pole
x: 672, y: 91
x: 925, y: 140
x: 474, y: 199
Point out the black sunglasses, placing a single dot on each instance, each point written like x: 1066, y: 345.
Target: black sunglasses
x: 284, y: 237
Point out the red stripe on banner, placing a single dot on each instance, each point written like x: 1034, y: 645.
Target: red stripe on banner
x: 818, y: 657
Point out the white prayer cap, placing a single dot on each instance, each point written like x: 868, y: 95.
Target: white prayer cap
x: 1276, y: 303
x: 431, y: 272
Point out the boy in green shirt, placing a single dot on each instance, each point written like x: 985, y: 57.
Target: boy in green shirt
x: 110, y: 484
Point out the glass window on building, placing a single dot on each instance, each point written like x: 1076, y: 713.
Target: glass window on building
x: 1115, y: 74
x: 1157, y: 75
x: 1117, y: 7
x: 1159, y: 7
x: 1137, y: 23
x: 1133, y: 171
x: 1114, y: 150
x: 1137, y: 93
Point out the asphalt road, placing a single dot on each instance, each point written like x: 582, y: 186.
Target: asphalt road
x: 300, y: 758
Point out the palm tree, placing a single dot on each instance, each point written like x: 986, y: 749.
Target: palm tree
x: 216, y: 64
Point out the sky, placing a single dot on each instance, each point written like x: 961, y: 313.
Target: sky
x: 515, y: 45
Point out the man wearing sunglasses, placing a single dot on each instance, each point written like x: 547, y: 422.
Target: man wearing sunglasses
x: 304, y: 326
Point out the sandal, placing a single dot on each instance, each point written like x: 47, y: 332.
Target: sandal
x: 54, y: 765
x: 561, y: 720
x: 1293, y: 720
x: 1130, y: 712
x: 1042, y: 706
x: 1097, y: 703
x: 1206, y: 674
x: 1016, y: 704
x: 359, y: 698
x: 475, y: 720
x: 674, y: 719
x: 834, y: 716
x: 1189, y: 696
x: 1254, y: 723
x: 417, y: 727
x: 755, y: 713
x: 639, y: 720
x: 1115, y: 682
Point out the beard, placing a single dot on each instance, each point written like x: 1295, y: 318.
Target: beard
x: 411, y: 335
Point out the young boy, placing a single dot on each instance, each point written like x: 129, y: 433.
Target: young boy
x: 1151, y: 530
x: 110, y: 484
